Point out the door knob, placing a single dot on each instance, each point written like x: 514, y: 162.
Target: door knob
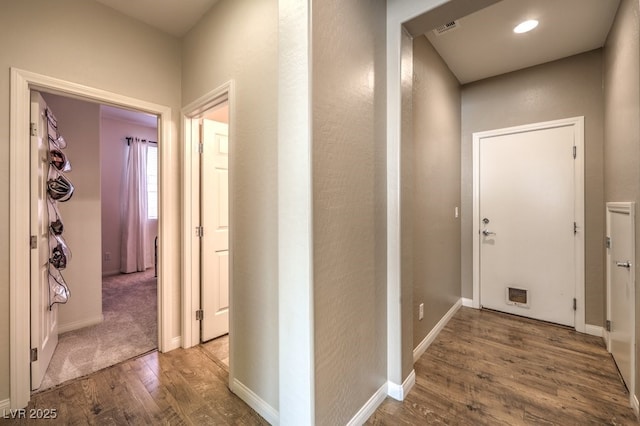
x: 486, y: 232
x: 624, y: 264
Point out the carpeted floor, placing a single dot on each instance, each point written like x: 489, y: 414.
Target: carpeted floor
x: 129, y: 306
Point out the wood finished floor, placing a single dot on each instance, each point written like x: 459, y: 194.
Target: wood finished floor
x: 184, y: 386
x: 483, y: 368
x: 497, y: 369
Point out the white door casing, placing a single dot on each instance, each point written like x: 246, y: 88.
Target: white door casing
x: 22, y: 82
x: 44, y: 321
x: 621, y: 289
x: 214, y: 193
x: 530, y: 188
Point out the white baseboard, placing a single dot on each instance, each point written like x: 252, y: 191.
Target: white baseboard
x: 76, y: 325
x: 419, y: 350
x: 269, y: 413
x: 398, y: 392
x: 467, y: 303
x: 635, y: 405
x: 5, y: 405
x: 594, y: 330
x: 111, y: 273
x: 174, y: 343
x: 370, y: 407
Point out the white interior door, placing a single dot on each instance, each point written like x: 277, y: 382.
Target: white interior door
x: 526, y: 223
x: 215, y: 223
x: 44, y: 320
x: 620, y: 288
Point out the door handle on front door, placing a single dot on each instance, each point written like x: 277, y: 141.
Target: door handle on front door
x: 624, y: 264
x: 487, y: 233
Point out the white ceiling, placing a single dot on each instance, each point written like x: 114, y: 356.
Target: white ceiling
x: 174, y: 17
x: 140, y: 118
x: 484, y: 44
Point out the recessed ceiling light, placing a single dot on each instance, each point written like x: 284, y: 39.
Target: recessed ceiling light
x: 525, y: 26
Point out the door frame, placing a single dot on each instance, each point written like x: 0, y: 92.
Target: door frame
x: 579, y: 257
x: 22, y: 82
x: 191, y: 215
x: 629, y: 209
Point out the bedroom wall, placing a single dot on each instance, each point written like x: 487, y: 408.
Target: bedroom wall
x: 79, y: 124
x: 91, y: 44
x: 113, y: 149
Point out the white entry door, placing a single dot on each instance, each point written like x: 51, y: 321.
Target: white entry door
x: 44, y: 319
x: 527, y: 225
x: 620, y: 288
x: 215, y: 225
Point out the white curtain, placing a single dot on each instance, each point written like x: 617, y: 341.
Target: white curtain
x: 134, y: 208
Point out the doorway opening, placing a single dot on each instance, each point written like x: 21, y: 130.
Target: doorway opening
x: 110, y: 226
x: 208, y: 220
x: 22, y: 83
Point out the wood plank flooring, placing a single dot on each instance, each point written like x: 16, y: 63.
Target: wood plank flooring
x: 184, y: 386
x: 491, y: 368
x: 483, y: 368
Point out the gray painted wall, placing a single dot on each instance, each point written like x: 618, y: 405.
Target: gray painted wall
x: 565, y: 88
x: 349, y: 203
x: 621, y: 124
x: 237, y: 39
x: 434, y: 188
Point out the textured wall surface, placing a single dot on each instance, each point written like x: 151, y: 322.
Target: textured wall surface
x: 348, y: 134
x: 87, y: 43
x: 565, y: 88
x: 622, y: 128
x: 237, y: 40
x: 435, y: 188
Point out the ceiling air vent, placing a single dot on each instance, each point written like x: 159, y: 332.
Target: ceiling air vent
x: 449, y: 26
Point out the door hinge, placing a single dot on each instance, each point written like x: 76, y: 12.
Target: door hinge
x: 34, y: 354
x: 199, y: 231
x: 199, y: 315
x: 607, y: 242
x: 575, y: 152
x: 33, y: 129
x: 607, y: 325
x: 575, y: 228
x: 200, y: 148
x: 33, y: 242
x: 575, y: 304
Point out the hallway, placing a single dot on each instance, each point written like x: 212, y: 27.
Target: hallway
x: 487, y: 367
x: 531, y: 372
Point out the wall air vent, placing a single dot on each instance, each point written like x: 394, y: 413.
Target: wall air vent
x: 449, y: 26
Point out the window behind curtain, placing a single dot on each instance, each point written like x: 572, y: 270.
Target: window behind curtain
x: 152, y: 181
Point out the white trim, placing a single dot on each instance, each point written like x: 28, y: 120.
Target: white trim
x: 191, y: 209
x: 428, y: 340
x: 467, y: 303
x: 594, y: 330
x: 75, y: 325
x: 22, y: 82
x: 578, y: 125
x: 175, y: 343
x: 269, y: 413
x: 635, y: 405
x: 629, y: 209
x: 399, y: 392
x: 4, y: 405
x: 369, y: 407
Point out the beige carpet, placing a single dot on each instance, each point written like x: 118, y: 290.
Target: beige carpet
x: 129, y: 306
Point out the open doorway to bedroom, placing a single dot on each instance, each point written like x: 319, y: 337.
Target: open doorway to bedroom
x: 111, y: 229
